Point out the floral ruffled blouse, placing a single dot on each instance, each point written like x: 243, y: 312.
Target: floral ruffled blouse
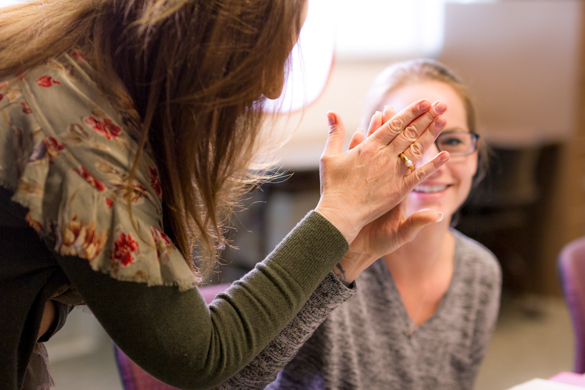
x: 66, y: 151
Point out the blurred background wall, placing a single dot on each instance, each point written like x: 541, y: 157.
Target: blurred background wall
x: 523, y: 61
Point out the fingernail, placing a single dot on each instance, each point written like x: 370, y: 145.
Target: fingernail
x: 440, y: 218
x: 378, y: 113
x: 444, y: 156
x: 440, y: 107
x: 440, y: 121
x: 424, y: 105
x: 331, y: 119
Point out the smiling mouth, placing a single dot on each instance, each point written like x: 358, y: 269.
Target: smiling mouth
x: 430, y: 189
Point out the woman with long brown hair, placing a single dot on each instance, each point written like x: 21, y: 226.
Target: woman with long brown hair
x: 129, y: 130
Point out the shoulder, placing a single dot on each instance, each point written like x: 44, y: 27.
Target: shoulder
x: 67, y: 154
x: 475, y: 258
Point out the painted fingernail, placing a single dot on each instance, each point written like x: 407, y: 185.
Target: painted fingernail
x: 440, y: 217
x: 440, y: 107
x: 440, y: 121
x: 424, y: 105
x: 331, y: 119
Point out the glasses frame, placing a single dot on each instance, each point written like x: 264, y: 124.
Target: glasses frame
x: 475, y: 138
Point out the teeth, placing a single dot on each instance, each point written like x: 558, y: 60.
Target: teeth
x: 430, y: 189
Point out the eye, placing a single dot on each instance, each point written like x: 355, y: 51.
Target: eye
x: 451, y: 141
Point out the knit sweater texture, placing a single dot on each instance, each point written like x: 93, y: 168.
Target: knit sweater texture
x: 365, y: 342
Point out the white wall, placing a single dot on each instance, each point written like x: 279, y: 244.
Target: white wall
x: 520, y: 59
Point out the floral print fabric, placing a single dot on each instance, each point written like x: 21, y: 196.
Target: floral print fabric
x: 66, y: 152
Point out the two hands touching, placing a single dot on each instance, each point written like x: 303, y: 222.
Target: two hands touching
x: 364, y: 190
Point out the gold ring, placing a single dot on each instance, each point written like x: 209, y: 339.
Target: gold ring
x: 407, y: 162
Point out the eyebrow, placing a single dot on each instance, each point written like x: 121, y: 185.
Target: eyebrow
x: 456, y: 129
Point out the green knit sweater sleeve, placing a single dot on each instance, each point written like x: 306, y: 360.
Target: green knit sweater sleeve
x: 177, y: 338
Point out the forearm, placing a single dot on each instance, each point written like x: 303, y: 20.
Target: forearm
x: 264, y: 368
x: 176, y: 338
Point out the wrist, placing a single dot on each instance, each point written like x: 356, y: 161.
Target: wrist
x: 339, y: 272
x: 351, y: 265
x: 339, y: 219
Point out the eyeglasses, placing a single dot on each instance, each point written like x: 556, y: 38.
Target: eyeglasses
x: 457, y: 143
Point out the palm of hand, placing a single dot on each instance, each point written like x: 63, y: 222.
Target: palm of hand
x: 384, y: 235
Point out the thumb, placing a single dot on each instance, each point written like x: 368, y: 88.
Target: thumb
x: 336, y: 137
x: 416, y: 222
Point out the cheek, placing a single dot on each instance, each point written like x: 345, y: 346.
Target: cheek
x: 465, y: 173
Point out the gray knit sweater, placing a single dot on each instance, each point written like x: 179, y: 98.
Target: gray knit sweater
x: 364, y: 343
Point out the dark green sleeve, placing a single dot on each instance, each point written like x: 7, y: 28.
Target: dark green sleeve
x: 177, y: 338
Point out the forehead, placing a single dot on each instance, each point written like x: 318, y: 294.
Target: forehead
x: 456, y: 114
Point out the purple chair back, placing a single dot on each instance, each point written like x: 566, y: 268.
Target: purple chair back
x: 135, y: 378
x: 572, y: 274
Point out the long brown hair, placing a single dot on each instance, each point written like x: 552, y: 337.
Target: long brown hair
x: 196, y: 71
x: 420, y: 70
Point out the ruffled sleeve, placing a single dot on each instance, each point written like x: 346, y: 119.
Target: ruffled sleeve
x: 66, y: 153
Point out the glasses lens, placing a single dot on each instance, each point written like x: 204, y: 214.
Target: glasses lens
x: 457, y: 143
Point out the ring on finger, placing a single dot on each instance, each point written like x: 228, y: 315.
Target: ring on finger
x: 407, y: 162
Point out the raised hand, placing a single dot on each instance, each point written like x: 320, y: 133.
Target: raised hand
x: 366, y: 200
x: 364, y: 183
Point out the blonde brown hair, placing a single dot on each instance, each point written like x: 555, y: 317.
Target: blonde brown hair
x: 196, y: 71
x: 417, y: 71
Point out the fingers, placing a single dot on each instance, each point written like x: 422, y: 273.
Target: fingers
x: 387, y: 114
x: 336, y: 136
x: 421, y: 173
x: 416, y: 222
x: 375, y: 123
x: 419, y: 126
x: 399, y: 122
x: 416, y: 150
x: 356, y: 139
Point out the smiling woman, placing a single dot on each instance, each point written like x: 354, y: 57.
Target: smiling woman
x: 423, y: 314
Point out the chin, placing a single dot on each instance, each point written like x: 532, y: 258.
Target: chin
x: 275, y: 90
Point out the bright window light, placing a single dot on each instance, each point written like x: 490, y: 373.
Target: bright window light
x: 312, y: 58
x: 368, y: 30
x: 388, y: 29
x: 5, y: 3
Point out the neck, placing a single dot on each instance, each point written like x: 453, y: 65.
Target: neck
x: 432, y: 248
x: 422, y: 270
